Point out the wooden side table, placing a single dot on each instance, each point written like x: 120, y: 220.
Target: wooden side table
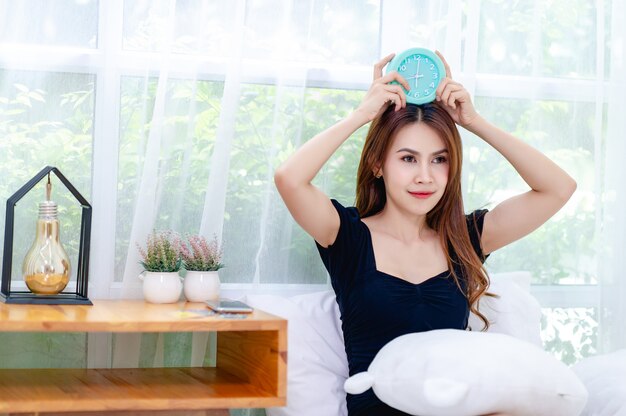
x: 251, y: 363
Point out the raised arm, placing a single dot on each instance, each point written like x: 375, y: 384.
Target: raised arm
x: 308, y: 205
x: 551, y: 187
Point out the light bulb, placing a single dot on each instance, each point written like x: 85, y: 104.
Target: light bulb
x: 46, y: 267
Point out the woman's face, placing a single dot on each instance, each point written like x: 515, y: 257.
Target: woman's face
x: 415, y: 169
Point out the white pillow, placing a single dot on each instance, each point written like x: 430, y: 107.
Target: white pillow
x: 605, y: 378
x: 317, y: 364
x: 515, y: 312
x: 449, y: 372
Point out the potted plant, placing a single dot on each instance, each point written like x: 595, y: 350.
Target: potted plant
x: 201, y: 260
x: 161, y: 262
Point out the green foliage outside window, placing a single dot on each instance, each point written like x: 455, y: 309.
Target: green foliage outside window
x: 44, y: 120
x: 539, y: 38
x: 570, y: 333
x: 562, y: 251
x: 271, y: 123
x: 187, y: 142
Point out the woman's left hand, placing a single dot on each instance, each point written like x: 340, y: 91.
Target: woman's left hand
x: 455, y: 98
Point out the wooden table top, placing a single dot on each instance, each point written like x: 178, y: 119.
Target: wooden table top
x: 129, y: 316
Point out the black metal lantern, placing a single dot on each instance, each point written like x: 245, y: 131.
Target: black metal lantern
x: 79, y: 296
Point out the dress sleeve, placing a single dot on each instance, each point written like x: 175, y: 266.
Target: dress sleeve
x: 341, y: 258
x: 475, y: 222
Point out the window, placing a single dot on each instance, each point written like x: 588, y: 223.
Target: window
x: 174, y: 114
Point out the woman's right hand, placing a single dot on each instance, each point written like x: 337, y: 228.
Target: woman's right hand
x: 382, y: 94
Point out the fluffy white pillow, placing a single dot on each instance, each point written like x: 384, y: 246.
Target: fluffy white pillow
x: 605, y: 378
x: 317, y: 363
x: 450, y: 372
x: 317, y: 366
x: 515, y: 312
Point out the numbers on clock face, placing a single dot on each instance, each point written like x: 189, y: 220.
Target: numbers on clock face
x: 421, y: 74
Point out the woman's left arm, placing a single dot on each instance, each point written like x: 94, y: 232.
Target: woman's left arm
x: 551, y: 187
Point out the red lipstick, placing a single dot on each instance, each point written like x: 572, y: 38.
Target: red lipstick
x: 421, y: 195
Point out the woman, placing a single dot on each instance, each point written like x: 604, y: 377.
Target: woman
x: 406, y: 258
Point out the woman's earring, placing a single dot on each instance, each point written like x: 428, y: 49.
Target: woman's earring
x: 378, y: 175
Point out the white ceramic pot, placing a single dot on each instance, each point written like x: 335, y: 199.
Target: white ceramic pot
x: 200, y: 286
x: 161, y: 287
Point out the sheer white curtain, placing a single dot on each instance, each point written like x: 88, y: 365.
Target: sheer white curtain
x: 546, y: 75
x: 173, y: 114
x: 612, y: 197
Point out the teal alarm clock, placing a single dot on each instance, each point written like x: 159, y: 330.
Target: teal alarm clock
x: 422, y: 69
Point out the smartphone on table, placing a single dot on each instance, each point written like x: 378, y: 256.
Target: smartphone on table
x: 228, y: 306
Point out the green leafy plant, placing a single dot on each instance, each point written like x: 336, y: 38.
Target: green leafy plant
x: 162, y: 252
x: 200, y: 255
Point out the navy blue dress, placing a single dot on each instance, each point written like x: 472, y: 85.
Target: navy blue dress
x: 377, y: 307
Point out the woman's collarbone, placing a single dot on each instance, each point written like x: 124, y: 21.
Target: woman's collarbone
x: 414, y: 262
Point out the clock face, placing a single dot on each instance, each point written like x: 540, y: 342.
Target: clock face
x: 423, y: 70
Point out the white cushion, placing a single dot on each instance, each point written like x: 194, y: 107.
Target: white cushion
x: 450, y: 372
x: 514, y: 312
x: 317, y: 364
x: 605, y: 379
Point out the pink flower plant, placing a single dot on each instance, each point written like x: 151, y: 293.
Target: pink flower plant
x: 162, y: 252
x: 200, y: 255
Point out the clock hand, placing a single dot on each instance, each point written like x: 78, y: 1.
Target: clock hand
x: 410, y: 78
x: 415, y: 77
x: 417, y: 72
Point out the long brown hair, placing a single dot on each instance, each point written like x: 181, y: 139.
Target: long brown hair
x: 447, y: 218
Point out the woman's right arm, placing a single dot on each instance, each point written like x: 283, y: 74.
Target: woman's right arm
x: 308, y: 205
